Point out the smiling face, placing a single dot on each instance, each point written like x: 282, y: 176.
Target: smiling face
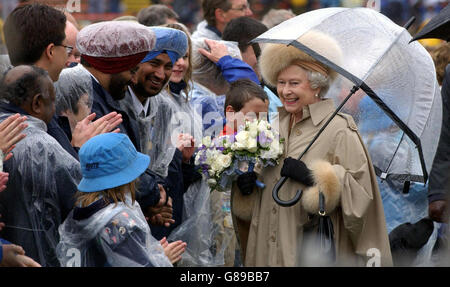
x: 294, y: 90
x: 152, y: 76
x: 179, y: 69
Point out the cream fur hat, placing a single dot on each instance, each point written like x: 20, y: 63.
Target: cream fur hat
x: 277, y: 57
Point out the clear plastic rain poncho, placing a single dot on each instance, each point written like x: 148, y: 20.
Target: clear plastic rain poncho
x: 183, y: 120
x: 204, y: 70
x: 377, y: 51
x: 72, y: 84
x: 206, y: 243
x: 43, y: 180
x: 119, y: 233
x: 155, y: 132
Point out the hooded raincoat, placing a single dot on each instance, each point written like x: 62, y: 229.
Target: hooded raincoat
x: 113, y: 236
x: 342, y: 169
x: 43, y: 180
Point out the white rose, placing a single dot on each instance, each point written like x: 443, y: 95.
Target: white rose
x: 211, y: 172
x: 274, y: 152
x: 206, y: 141
x: 217, y: 166
x: 238, y: 146
x: 242, y: 137
x: 226, y: 160
x: 252, y: 145
x: 263, y: 126
x: 210, y: 156
x: 253, y: 131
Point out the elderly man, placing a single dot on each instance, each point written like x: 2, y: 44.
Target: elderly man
x: 111, y: 52
x: 217, y: 13
x: 43, y: 177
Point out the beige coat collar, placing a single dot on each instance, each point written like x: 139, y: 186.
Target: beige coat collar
x: 318, y: 111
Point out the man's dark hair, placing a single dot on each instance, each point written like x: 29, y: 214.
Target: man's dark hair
x: 29, y: 29
x: 209, y: 8
x: 243, y: 30
x: 18, y: 91
x: 156, y: 15
x: 243, y: 91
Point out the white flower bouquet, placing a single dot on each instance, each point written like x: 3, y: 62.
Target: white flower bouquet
x: 219, y: 158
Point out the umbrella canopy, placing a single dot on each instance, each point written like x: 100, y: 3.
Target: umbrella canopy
x: 438, y: 27
x: 399, y: 108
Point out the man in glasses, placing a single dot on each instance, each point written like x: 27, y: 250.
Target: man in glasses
x: 217, y: 14
x: 73, y: 54
x: 35, y: 35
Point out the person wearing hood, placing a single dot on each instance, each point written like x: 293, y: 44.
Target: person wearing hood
x: 107, y: 227
x: 11, y: 255
x: 42, y: 175
x: 338, y: 165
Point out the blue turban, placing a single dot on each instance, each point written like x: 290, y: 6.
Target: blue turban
x: 171, y: 41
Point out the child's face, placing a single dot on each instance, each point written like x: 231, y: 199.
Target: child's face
x: 253, y: 109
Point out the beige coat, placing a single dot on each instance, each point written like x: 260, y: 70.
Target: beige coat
x: 342, y: 169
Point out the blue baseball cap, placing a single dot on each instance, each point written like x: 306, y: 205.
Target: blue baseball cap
x: 110, y: 160
x: 171, y: 41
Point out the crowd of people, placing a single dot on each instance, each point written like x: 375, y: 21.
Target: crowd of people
x: 100, y: 125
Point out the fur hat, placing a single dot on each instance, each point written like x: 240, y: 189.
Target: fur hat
x: 277, y: 57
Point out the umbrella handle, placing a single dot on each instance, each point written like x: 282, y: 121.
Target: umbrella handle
x: 277, y: 199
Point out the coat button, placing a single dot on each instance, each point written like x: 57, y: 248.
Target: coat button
x: 273, y: 238
x: 299, y: 132
x: 274, y: 210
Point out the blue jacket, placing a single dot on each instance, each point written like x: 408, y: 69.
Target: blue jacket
x: 147, y: 185
x: 234, y: 69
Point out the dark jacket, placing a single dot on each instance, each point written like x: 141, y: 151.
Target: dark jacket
x: 59, y: 129
x: 439, y: 182
x: 147, y: 185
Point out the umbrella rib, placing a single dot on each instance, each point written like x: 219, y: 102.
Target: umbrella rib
x: 378, y: 101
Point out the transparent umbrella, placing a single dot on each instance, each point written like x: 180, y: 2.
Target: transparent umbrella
x: 394, y: 95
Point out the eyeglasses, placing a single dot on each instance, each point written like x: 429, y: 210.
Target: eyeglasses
x: 242, y: 9
x: 69, y: 49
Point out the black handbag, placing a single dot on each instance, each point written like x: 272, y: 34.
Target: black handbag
x: 325, y: 234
